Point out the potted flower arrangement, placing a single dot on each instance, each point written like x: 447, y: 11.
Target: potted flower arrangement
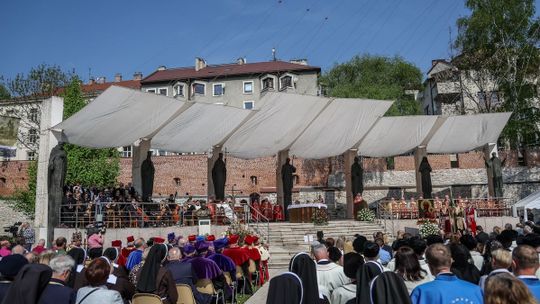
x: 320, y: 217
x: 428, y: 228
x: 365, y: 215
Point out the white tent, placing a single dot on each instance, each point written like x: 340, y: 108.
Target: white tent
x: 532, y: 201
x: 308, y: 126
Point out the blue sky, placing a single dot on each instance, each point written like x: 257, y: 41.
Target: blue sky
x: 127, y: 36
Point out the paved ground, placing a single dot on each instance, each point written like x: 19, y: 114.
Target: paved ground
x: 260, y: 296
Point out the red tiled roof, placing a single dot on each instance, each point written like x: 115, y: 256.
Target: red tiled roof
x: 100, y: 87
x: 213, y: 71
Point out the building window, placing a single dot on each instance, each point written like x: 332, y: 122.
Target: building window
x: 163, y: 91
x: 219, y: 89
x: 454, y: 161
x: 151, y: 91
x: 253, y: 179
x: 268, y: 83
x: 199, y: 88
x: 33, y: 115
x: 179, y: 90
x: 31, y: 155
x: 248, y: 87
x: 127, y: 151
x: 32, y: 136
x: 3, y: 182
x: 285, y: 82
x: 488, y: 100
x: 296, y: 179
x: 249, y: 105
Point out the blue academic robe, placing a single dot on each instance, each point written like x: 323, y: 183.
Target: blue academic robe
x: 533, y: 284
x: 447, y: 288
x: 134, y: 258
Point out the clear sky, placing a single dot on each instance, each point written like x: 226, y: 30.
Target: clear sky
x: 121, y: 36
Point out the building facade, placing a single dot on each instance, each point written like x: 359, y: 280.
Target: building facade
x: 240, y: 84
x: 451, y: 91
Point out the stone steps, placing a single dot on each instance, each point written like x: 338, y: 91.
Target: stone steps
x: 287, y: 239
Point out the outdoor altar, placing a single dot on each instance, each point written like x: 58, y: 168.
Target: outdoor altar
x: 303, y: 213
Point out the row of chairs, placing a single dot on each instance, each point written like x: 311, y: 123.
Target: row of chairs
x: 185, y: 294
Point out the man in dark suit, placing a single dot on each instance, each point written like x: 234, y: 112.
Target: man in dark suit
x: 183, y: 273
x: 57, y: 292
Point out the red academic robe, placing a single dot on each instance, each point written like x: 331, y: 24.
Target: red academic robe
x: 267, y: 210
x: 237, y: 254
x: 255, y: 255
x: 257, y: 207
x: 278, y: 213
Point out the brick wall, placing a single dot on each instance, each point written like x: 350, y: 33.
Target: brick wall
x: 191, y: 169
x: 13, y: 176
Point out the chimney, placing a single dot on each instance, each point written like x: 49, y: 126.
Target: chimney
x: 241, y: 60
x: 199, y: 63
x: 161, y: 68
x: 91, y: 81
x: 101, y: 79
x: 299, y: 61
x: 117, y: 77
x: 137, y: 76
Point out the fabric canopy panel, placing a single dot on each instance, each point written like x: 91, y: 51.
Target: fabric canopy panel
x: 527, y: 200
x: 118, y: 117
x: 396, y: 135
x: 199, y: 128
x: 339, y: 127
x: 275, y: 126
x: 460, y: 134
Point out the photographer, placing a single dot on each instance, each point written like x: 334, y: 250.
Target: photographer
x: 28, y: 234
x: 95, y: 243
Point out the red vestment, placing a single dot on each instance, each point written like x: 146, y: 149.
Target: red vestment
x: 267, y: 210
x: 470, y: 219
x: 278, y: 213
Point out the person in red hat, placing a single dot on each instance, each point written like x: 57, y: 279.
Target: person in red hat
x: 121, y: 259
x: 210, y: 238
x: 159, y: 240
x: 192, y: 238
x: 130, y: 248
x: 254, y: 254
x: 240, y: 257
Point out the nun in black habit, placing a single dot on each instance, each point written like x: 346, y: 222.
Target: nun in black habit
x: 303, y: 266
x: 29, y: 284
x: 285, y: 288
x: 365, y: 274
x: 388, y: 287
x: 156, y: 279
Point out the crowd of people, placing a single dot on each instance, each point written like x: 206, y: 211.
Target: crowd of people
x: 71, y: 273
x: 493, y: 268
x: 122, y: 206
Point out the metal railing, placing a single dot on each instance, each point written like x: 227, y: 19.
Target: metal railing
x: 140, y: 215
x: 258, y: 222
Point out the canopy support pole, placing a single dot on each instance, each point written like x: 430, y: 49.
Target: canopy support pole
x: 488, y: 149
x: 419, y: 153
x: 140, y: 151
x: 348, y: 157
x: 212, y: 157
x: 280, y: 161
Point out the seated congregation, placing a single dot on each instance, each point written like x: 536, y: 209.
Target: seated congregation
x: 501, y: 267
x: 196, y: 269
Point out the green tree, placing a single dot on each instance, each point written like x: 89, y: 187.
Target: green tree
x: 376, y: 77
x: 96, y: 167
x: 500, y: 40
x: 42, y: 81
x: 4, y: 93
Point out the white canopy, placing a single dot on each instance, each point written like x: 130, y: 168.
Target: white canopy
x: 308, y: 126
x: 276, y: 125
x: 396, y: 135
x: 464, y: 133
x: 339, y: 127
x: 118, y: 117
x: 199, y: 128
x: 527, y: 200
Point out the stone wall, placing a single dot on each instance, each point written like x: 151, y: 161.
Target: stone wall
x: 10, y: 216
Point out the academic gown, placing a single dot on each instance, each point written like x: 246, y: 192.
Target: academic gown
x: 183, y: 273
x: 255, y: 255
x: 237, y: 254
x: 445, y: 289
x: 225, y: 263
